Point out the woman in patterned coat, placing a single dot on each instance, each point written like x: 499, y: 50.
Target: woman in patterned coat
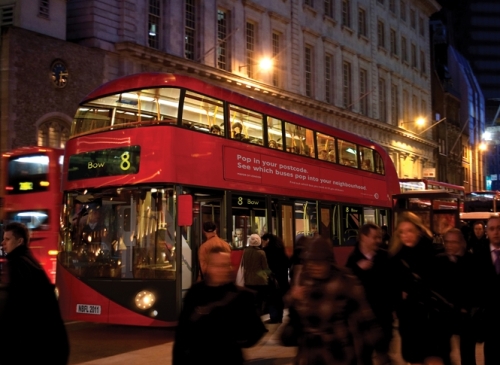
x: 331, y: 320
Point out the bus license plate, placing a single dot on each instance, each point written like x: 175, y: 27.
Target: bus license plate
x: 88, y: 309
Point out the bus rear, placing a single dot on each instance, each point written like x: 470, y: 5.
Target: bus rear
x: 33, y: 197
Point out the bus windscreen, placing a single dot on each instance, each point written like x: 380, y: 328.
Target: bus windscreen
x: 28, y: 174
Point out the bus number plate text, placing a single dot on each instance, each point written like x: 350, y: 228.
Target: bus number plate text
x: 88, y: 309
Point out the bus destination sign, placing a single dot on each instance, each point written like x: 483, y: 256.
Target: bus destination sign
x: 101, y: 163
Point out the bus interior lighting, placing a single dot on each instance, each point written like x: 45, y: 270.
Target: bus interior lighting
x: 53, y: 252
x: 44, y: 183
x: 154, y: 313
x: 44, y: 160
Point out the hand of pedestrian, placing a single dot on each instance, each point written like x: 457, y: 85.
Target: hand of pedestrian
x: 297, y: 292
x: 365, y: 264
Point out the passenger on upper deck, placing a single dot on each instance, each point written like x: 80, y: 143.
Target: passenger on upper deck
x: 215, y: 129
x: 237, y: 129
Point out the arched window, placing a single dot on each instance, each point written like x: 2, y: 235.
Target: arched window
x: 53, y: 133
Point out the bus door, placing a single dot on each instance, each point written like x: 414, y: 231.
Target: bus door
x: 249, y: 216
x: 207, y: 209
x: 126, y: 244
x: 352, y: 220
x: 285, y: 225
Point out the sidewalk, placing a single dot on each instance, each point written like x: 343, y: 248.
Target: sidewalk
x: 268, y: 351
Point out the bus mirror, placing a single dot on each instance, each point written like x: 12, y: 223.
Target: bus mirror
x: 185, y: 210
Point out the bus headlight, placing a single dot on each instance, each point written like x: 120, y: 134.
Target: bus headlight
x: 144, y: 299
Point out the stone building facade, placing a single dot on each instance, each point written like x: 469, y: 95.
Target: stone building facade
x: 362, y: 66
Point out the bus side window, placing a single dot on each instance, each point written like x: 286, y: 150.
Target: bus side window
x: 379, y: 163
x: 203, y: 114
x: 366, y: 158
x: 274, y: 133
x: 246, y: 125
x: 326, y: 147
x: 348, y: 154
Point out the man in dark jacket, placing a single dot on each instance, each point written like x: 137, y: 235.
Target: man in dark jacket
x: 31, y: 313
x: 218, y: 318
x: 452, y: 279
x: 370, y: 263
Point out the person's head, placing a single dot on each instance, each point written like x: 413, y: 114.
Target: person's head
x: 493, y: 230
x: 209, y: 229
x: 323, y: 155
x: 478, y: 229
x: 15, y: 234
x: 254, y: 240
x: 331, y: 156
x: 454, y: 242
x: 94, y: 215
x: 409, y: 230
x: 331, y: 145
x: 215, y: 129
x: 219, y: 270
x: 318, y: 258
x: 237, y: 128
x: 273, y: 144
x: 369, y: 237
x: 271, y: 240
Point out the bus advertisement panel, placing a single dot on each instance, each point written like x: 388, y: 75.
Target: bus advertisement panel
x: 33, y: 196
x: 142, y: 142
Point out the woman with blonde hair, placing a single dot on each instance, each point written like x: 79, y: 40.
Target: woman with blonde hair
x: 412, y: 253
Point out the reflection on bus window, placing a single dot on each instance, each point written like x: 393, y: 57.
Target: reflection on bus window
x: 299, y: 140
x: 33, y: 219
x: 306, y: 218
x: 126, y: 233
x: 347, y: 153
x: 326, y: 147
x: 274, y: 133
x: 366, y: 158
x: 159, y: 105
x: 204, y: 114
x: 379, y: 163
x: 246, y: 125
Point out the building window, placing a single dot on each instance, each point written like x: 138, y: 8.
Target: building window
x: 154, y: 24
x: 394, y: 42
x: 363, y: 91
x: 362, y: 22
x: 413, y: 19
x: 53, y: 133
x: 190, y: 50
x: 308, y: 69
x: 329, y: 78
x: 442, y: 146
x: 309, y: 2
x: 423, y: 69
x: 414, y: 106
x: 346, y: 85
x: 346, y: 13
x: 250, y: 48
x: 392, y: 6
x: 43, y: 10
x: 382, y: 100
x: 394, y: 104
x: 402, y: 10
x: 380, y: 2
x: 404, y: 50
x: 6, y: 15
x: 421, y: 26
x: 406, y: 107
x: 276, y: 59
x: 414, y: 55
x: 223, y: 59
x: 328, y: 7
x: 381, y: 34
x: 423, y: 107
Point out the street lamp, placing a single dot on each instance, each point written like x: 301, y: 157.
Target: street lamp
x: 432, y: 125
x: 419, y: 122
x: 264, y: 64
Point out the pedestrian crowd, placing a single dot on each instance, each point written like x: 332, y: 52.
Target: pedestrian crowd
x: 346, y: 314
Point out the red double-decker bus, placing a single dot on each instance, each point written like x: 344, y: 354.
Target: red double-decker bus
x: 148, y: 150
x: 33, y: 196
